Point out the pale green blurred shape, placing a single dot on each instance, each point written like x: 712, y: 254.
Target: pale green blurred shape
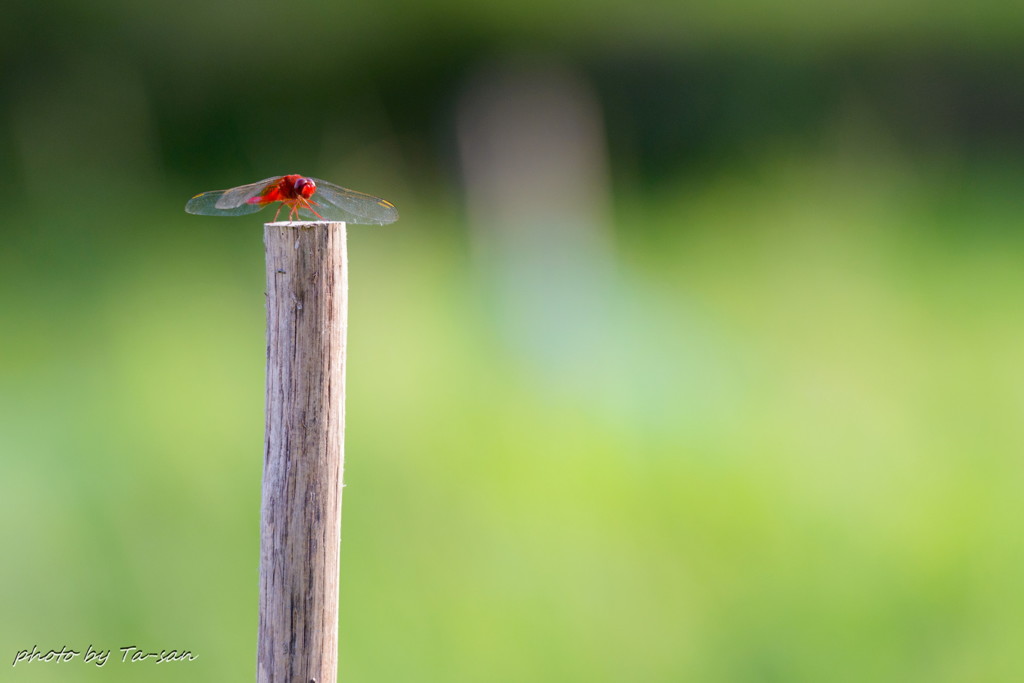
x: 801, y: 464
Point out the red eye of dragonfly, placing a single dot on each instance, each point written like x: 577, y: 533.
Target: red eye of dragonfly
x: 304, y: 187
x: 306, y: 198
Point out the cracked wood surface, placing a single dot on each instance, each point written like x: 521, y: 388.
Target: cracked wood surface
x: 300, y: 521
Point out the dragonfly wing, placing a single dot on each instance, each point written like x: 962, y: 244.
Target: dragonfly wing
x: 241, y: 195
x: 211, y: 204
x: 341, y: 204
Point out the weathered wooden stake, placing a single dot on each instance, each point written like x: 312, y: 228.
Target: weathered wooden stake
x: 300, y: 526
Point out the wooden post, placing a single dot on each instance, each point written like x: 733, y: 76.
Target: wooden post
x: 300, y: 525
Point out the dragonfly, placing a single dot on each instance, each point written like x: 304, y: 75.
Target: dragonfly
x: 306, y: 198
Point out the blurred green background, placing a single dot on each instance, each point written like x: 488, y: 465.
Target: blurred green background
x: 695, y: 356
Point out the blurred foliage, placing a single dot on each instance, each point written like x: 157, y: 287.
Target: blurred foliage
x: 794, y: 459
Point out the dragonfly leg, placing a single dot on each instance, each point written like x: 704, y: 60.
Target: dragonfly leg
x: 310, y: 205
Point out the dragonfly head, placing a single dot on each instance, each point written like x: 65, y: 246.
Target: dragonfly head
x: 304, y: 187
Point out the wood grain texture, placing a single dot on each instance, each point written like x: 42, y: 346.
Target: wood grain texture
x: 300, y: 532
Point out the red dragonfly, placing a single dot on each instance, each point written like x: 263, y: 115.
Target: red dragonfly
x: 306, y: 198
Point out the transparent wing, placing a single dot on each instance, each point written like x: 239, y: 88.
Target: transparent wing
x: 242, y: 194
x: 341, y: 204
x: 208, y: 204
x: 233, y: 202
